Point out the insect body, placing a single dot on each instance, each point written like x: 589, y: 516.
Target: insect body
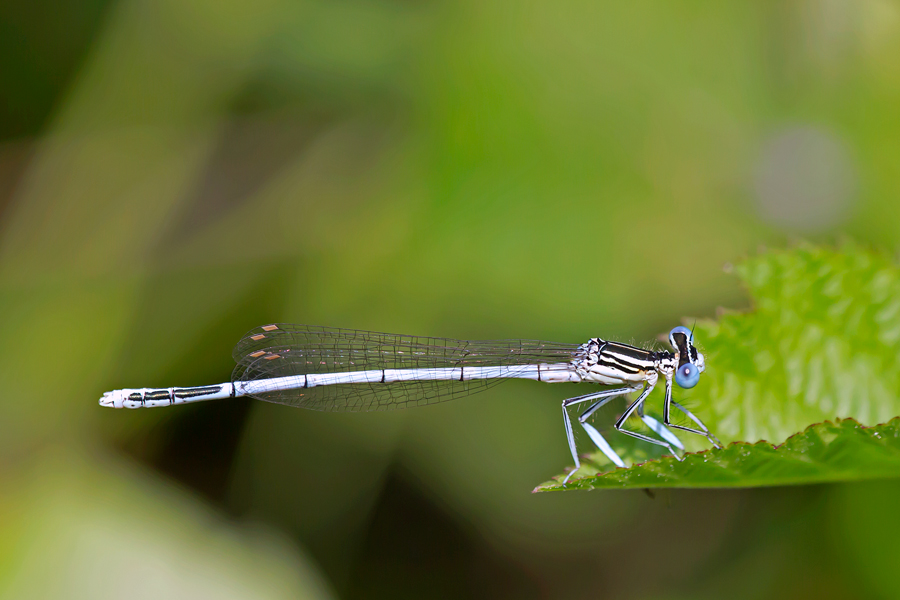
x: 330, y: 369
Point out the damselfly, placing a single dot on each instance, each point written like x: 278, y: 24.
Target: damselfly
x: 344, y: 370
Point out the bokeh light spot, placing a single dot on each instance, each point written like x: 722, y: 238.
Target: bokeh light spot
x: 804, y: 180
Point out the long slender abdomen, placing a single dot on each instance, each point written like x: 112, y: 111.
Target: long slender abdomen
x: 153, y: 397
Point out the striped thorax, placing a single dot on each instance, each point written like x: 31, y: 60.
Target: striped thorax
x: 611, y: 363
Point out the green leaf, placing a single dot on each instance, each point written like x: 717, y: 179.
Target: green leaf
x: 821, y: 343
x: 839, y: 451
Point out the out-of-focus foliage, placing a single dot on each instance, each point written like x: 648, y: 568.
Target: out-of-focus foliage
x: 825, y: 452
x: 110, y: 534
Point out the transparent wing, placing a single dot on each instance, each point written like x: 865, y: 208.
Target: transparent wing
x: 304, y: 350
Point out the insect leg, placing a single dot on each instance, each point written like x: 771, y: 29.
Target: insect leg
x: 640, y: 436
x: 605, y: 395
x: 662, y: 431
x: 592, y: 432
x: 704, y: 431
x: 604, y: 446
x: 659, y: 428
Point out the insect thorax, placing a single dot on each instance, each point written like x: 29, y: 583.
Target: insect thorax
x: 610, y: 363
x: 666, y: 363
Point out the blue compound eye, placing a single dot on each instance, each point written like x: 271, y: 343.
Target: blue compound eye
x: 687, y: 375
x: 681, y: 329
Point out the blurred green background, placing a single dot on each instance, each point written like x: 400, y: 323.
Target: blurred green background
x: 173, y: 173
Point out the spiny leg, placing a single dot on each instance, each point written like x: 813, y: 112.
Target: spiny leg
x: 660, y: 429
x: 605, y: 398
x: 604, y: 446
x: 605, y: 395
x: 595, y: 435
x: 641, y: 436
x: 704, y: 431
